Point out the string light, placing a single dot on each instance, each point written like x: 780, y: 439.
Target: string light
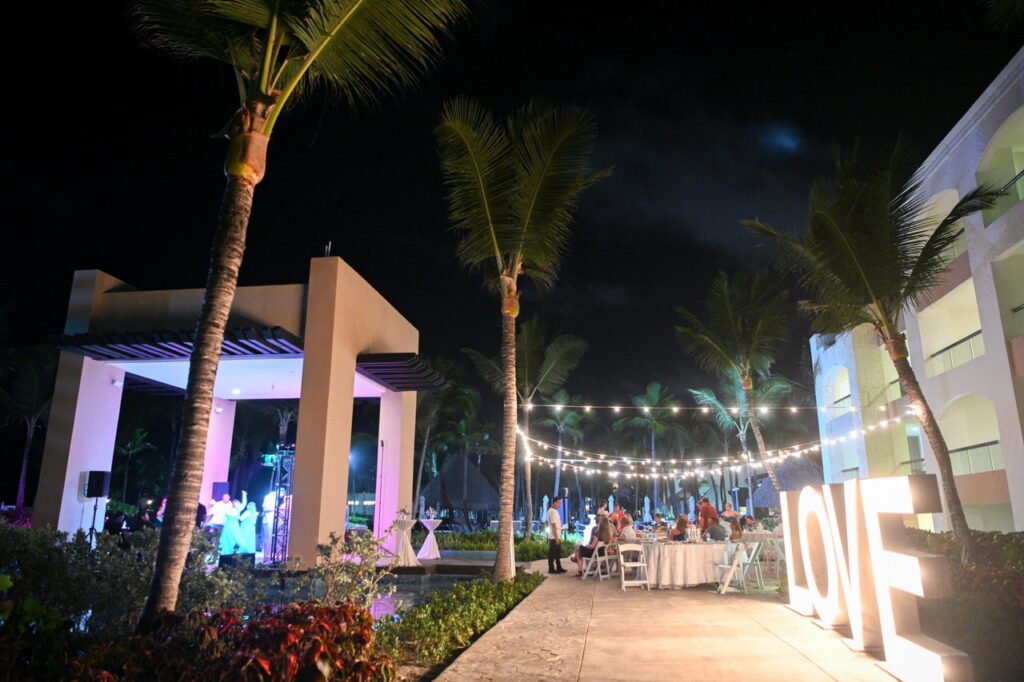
x: 675, y: 409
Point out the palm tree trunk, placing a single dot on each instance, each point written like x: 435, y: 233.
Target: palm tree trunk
x: 761, y: 449
x: 19, y: 498
x: 419, y: 469
x: 558, y: 466
x: 183, y: 498
x: 528, y: 493
x: 954, y: 508
x: 503, y: 560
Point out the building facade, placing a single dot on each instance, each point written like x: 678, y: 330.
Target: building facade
x: 966, y: 341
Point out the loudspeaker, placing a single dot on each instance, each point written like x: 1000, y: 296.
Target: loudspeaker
x: 220, y: 489
x: 238, y: 560
x: 97, y: 484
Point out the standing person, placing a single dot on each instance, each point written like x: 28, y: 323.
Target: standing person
x: 708, y: 514
x: 247, y: 529
x: 729, y: 514
x: 555, y: 537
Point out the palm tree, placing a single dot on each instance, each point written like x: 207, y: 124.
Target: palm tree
x: 512, y: 191
x: 433, y: 407
x: 870, y: 252
x: 569, y: 426
x: 277, y: 51
x: 655, y: 419
x: 747, y: 323
x: 135, y: 444
x: 731, y: 411
x: 541, y: 369
x: 28, y: 377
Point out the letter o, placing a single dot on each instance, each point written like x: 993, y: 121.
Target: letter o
x: 812, y: 505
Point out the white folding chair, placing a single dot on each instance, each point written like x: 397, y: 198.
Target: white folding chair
x: 778, y: 554
x: 592, y: 564
x: 631, y: 556
x: 608, y: 560
x: 744, y: 560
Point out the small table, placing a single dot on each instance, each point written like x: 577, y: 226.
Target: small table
x: 404, y: 553
x: 429, y: 549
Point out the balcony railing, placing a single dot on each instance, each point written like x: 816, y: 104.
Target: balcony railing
x: 956, y: 248
x: 910, y: 467
x: 955, y: 354
x: 975, y: 459
x: 893, y: 391
x: 841, y: 406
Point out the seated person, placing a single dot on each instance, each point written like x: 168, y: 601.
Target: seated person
x: 716, y: 531
x: 729, y: 514
x: 659, y: 522
x: 602, y: 534
x: 737, y: 532
x: 748, y: 522
x: 678, y: 532
x: 626, y: 531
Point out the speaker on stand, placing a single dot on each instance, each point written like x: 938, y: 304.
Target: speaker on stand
x: 97, y: 485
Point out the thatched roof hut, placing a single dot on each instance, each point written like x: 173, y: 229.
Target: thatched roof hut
x: 460, y: 486
x: 794, y: 473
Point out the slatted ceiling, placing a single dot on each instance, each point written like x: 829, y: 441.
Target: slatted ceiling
x: 399, y: 372
x: 175, y: 345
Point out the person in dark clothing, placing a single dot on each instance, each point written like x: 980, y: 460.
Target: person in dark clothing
x: 555, y: 537
x: 200, y: 515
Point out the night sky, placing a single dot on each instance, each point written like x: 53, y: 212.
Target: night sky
x: 708, y: 115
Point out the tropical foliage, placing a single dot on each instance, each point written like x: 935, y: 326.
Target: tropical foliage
x: 747, y: 322
x: 512, y: 191
x: 656, y: 420
x: 873, y: 248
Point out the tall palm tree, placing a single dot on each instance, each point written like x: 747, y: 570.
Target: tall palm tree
x: 512, y: 191
x: 731, y: 411
x: 278, y: 51
x: 870, y: 252
x: 655, y: 419
x: 568, y: 425
x: 28, y: 375
x: 542, y: 368
x: 747, y: 322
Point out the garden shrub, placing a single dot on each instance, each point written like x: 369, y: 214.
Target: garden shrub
x: 346, y: 570
x: 102, y: 590
x: 447, y: 622
x: 306, y: 641
x: 487, y: 540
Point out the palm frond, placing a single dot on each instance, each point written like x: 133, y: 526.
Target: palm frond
x: 561, y: 357
x: 477, y: 165
x: 489, y: 369
x: 553, y: 148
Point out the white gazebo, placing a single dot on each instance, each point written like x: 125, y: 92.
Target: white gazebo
x: 324, y: 342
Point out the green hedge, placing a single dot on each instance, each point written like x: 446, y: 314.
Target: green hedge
x: 447, y: 622
x: 485, y: 540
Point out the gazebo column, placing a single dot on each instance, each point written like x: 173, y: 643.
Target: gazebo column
x: 80, y: 437
x: 324, y: 432
x: 397, y: 431
x: 218, y: 449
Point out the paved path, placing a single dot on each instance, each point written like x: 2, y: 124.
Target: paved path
x: 584, y: 630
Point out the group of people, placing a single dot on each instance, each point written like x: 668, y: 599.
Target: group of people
x: 235, y: 521
x: 618, y: 526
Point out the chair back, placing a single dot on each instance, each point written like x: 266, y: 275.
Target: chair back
x: 630, y: 547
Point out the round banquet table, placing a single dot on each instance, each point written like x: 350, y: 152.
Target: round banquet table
x: 404, y: 554
x: 675, y: 565
x: 429, y: 549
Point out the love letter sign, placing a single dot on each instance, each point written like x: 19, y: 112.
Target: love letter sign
x: 849, y: 565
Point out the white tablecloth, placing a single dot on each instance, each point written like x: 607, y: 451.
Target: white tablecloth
x: 429, y: 549
x: 672, y: 566
x: 764, y: 537
x: 404, y: 553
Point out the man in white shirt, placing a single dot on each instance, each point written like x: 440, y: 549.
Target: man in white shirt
x: 555, y: 537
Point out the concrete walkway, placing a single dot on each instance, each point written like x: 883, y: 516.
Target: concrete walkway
x: 570, y: 629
